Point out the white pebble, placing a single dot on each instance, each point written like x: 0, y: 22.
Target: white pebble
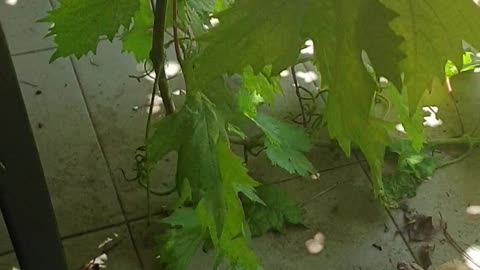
x: 473, y: 210
x: 320, y: 237
x: 313, y: 246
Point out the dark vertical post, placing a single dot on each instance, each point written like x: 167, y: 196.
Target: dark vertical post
x: 24, y: 197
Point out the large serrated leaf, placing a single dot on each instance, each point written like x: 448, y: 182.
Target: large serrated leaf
x: 433, y: 31
x: 78, y: 24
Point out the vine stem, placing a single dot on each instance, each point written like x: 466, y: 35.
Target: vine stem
x: 459, y: 140
x: 157, y: 56
x: 299, y: 95
x: 175, y: 34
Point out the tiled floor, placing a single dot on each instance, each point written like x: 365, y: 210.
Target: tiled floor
x: 86, y: 131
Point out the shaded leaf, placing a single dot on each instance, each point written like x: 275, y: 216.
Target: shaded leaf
x: 286, y: 145
x: 181, y: 242
x: 412, y: 169
x: 278, y: 211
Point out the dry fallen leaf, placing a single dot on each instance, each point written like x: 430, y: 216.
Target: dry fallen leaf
x: 419, y: 228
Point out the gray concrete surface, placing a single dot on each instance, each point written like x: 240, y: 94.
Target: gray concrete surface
x: 87, y: 131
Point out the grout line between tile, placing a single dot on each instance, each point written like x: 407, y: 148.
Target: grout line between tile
x: 33, y: 51
x: 107, y: 163
x: 389, y: 213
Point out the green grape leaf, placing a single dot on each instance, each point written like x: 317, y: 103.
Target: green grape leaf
x: 197, y: 160
x: 215, y: 178
x: 192, y: 15
x: 341, y: 30
x: 179, y: 244
x: 232, y: 169
x: 170, y: 134
x: 286, y: 145
x: 78, y: 24
x: 278, y: 211
x: 412, y: 123
x: 340, y: 61
x: 434, y: 31
x: 234, y: 242
x: 412, y: 169
x: 255, y: 90
x: 138, y: 39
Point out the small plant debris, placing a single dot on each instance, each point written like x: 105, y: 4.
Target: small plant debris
x: 418, y: 227
x: 377, y: 246
x: 408, y: 266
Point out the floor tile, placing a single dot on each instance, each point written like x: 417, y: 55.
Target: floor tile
x: 351, y: 220
x: 9, y: 262
x: 23, y: 33
x: 449, y: 193
x: 81, y: 189
x: 348, y: 215
x: 111, y: 96
x: 5, y: 243
x: 82, y: 249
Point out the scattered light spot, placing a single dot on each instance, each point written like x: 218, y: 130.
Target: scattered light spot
x: 214, y: 22
x: 284, y: 73
x: 139, y: 67
x: 308, y: 76
x: 156, y: 101
x: 15, y: 268
x: 309, y: 49
x: 320, y: 237
x: 432, y: 120
x: 383, y: 82
x: 477, y: 70
x: 315, y: 176
x: 179, y: 92
x: 11, y: 2
x: 473, y: 210
x: 477, y: 2
x: 473, y: 260
x: 205, y: 27
x: 400, y: 128
x: 172, y: 69
x: 156, y: 109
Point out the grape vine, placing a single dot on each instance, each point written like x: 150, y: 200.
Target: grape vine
x: 383, y: 62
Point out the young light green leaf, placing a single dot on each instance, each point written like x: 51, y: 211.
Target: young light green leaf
x: 181, y: 242
x: 412, y: 123
x: 286, y: 145
x: 230, y: 240
x: 234, y: 242
x: 255, y: 90
x: 138, y: 39
x: 78, y: 24
x: 232, y: 170
x: 278, y: 211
